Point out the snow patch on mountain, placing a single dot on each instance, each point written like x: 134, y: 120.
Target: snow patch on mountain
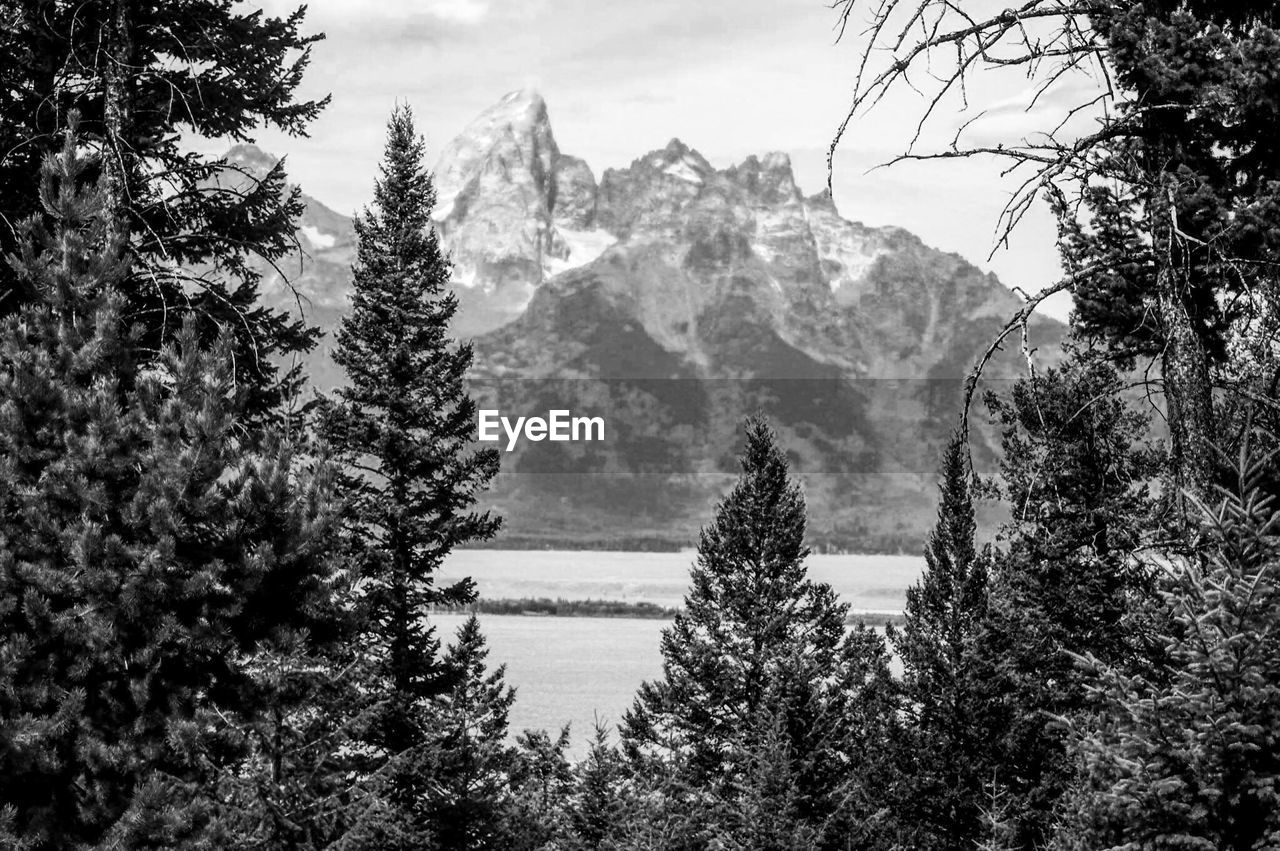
x: 583, y: 246
x: 462, y: 275
x: 849, y: 251
x: 318, y: 238
x: 684, y: 169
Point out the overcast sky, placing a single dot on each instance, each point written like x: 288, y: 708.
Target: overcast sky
x: 622, y: 77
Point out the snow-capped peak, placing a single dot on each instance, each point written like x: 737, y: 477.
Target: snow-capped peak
x: 680, y: 161
x: 519, y: 118
x: 251, y: 159
x: 521, y: 108
x: 776, y: 161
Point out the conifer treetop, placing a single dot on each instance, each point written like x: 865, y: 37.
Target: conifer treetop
x: 759, y: 527
x: 404, y: 423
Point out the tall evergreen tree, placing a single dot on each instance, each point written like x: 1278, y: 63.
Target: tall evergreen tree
x: 759, y: 645
x: 944, y: 756
x: 404, y: 420
x: 1183, y: 754
x: 149, y: 552
x: 144, y: 75
x: 1076, y: 475
x: 1189, y: 208
x: 1168, y: 208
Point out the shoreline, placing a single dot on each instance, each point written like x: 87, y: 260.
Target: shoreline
x: 647, y: 544
x: 546, y: 607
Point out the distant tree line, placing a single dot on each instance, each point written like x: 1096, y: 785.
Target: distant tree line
x: 616, y: 543
x: 561, y: 607
x: 216, y: 596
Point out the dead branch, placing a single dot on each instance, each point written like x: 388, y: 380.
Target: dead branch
x: 1019, y: 322
x: 1047, y: 40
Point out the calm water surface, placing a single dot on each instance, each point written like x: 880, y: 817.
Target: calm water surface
x: 575, y: 670
x: 569, y: 670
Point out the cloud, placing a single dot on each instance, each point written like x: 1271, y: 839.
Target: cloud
x: 385, y: 13
x: 458, y: 11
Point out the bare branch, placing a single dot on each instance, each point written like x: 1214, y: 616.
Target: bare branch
x: 1019, y: 322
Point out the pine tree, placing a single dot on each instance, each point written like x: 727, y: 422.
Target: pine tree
x: 1167, y: 209
x: 944, y: 752
x: 404, y: 420
x: 144, y: 75
x: 757, y: 643
x: 598, y: 810
x: 1183, y: 754
x: 1076, y: 476
x: 149, y: 552
x: 468, y: 763
x: 766, y: 814
x: 298, y: 786
x: 541, y: 783
x: 1189, y: 222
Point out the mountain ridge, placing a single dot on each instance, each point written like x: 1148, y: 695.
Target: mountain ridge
x: 676, y: 297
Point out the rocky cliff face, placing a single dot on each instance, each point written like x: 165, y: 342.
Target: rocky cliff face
x: 673, y: 298
x: 512, y: 209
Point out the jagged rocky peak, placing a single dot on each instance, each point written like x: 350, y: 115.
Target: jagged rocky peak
x: 512, y: 209
x: 512, y: 143
x: 248, y: 157
x: 522, y: 107
x: 513, y: 135
x: 495, y: 187
x: 676, y: 165
x: 651, y: 193
x: 676, y: 240
x: 767, y: 180
x: 246, y: 165
x: 573, y: 204
x: 680, y: 162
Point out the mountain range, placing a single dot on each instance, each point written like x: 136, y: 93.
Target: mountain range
x: 672, y: 298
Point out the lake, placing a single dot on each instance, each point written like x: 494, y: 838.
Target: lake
x: 578, y: 669
x: 869, y: 583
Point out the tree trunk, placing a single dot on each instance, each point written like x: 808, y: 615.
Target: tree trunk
x: 1188, y: 394
x: 116, y: 115
x: 1184, y: 361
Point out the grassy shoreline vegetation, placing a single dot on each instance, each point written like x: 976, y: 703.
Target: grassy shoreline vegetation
x: 561, y: 607
x: 885, y: 545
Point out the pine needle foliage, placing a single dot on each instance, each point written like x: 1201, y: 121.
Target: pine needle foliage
x: 1076, y: 475
x: 468, y: 764
x: 143, y: 76
x: 944, y: 755
x: 1184, y: 755
x: 759, y: 655
x: 404, y: 423
x: 149, y: 551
